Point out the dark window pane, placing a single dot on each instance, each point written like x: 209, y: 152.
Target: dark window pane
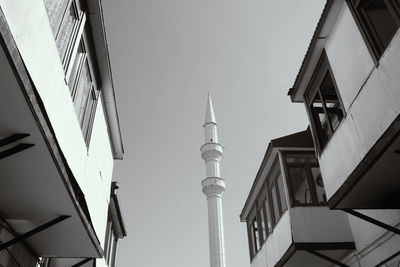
x: 274, y: 199
x: 262, y: 230
x: 281, y: 193
x: 319, y: 184
x: 252, y: 244
x: 300, y: 187
x: 320, y: 121
x: 65, y: 33
x: 89, y: 113
x: 55, y: 11
x: 380, y: 21
x: 301, y: 158
x: 332, y: 102
x: 82, y: 92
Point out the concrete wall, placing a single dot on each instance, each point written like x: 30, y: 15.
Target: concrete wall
x: 92, y: 168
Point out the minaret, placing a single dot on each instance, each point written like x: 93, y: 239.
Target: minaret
x: 213, y: 187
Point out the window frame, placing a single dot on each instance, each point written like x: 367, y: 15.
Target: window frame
x: 372, y: 41
x: 270, y: 186
x: 309, y: 180
x: 264, y: 199
x: 322, y: 69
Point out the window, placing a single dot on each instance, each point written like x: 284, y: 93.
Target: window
x: 304, y: 179
x: 67, y: 20
x: 276, y: 193
x: 323, y: 103
x: 267, y: 209
x: 66, y: 17
x: 378, y: 20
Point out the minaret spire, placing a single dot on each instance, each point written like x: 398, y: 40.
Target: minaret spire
x: 213, y: 187
x: 210, y: 116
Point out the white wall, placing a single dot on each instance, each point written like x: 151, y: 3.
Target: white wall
x: 30, y: 27
x: 374, y: 243
x: 370, y: 96
x: 276, y: 245
x: 319, y: 224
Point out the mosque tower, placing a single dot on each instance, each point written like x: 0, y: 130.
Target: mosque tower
x: 213, y: 187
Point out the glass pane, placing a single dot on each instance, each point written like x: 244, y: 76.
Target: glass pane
x: 319, y: 184
x: 380, y: 20
x: 256, y: 234
x: 281, y: 193
x: 65, y: 33
x: 260, y: 215
x: 251, y: 240
x: 268, y: 215
x: 75, y: 68
x: 82, y: 92
x: 272, y: 174
x: 332, y: 102
x: 301, y: 158
x: 274, y: 199
x: 88, y: 113
x: 300, y: 188
x: 55, y: 11
x: 320, y: 120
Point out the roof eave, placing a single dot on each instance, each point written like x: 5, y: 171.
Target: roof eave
x: 293, y: 92
x: 96, y: 19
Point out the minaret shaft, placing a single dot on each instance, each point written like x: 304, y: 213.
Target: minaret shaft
x: 213, y: 187
x: 216, y: 232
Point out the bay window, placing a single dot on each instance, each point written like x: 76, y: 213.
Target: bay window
x: 323, y: 103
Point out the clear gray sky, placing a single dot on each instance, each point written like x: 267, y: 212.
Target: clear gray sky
x: 166, y: 55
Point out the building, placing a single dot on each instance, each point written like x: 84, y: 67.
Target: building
x: 349, y: 82
x: 213, y: 186
x: 288, y: 219
x: 59, y: 136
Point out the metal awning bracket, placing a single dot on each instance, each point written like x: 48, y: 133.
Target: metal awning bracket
x: 33, y: 232
x: 372, y: 220
x: 324, y: 257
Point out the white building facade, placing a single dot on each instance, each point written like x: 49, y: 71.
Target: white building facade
x: 349, y: 82
x: 59, y: 136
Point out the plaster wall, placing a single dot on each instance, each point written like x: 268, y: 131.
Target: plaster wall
x: 319, y: 224
x: 92, y: 168
x: 373, y: 243
x: 276, y: 245
x: 370, y: 97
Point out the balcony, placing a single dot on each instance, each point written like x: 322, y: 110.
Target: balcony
x: 288, y: 220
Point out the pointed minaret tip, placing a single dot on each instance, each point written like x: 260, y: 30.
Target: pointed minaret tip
x: 210, y: 117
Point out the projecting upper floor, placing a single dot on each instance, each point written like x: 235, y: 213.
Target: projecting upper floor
x: 59, y: 129
x: 288, y: 220
x: 349, y: 82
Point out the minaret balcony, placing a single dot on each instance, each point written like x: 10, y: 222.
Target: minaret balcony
x: 288, y: 220
x: 211, y: 151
